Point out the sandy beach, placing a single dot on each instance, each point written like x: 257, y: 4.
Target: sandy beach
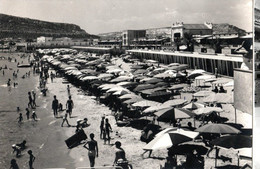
x: 47, y: 138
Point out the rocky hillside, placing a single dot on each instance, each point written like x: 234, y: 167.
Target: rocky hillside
x: 18, y: 27
x: 166, y: 31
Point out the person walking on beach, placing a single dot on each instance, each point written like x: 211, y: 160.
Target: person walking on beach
x: 108, y: 128
x: 31, y: 159
x: 27, y: 113
x: 33, y: 99
x: 14, y: 165
x: 102, y: 126
x: 68, y: 89
x: 55, y: 105
x: 65, y: 119
x: 30, y: 104
x: 20, y: 118
x: 92, y: 149
x: 69, y: 105
x: 9, y: 82
x: 34, y: 116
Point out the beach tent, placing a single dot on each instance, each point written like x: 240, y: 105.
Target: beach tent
x: 218, y: 128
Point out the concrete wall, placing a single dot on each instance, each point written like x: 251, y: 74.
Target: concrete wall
x: 243, y: 90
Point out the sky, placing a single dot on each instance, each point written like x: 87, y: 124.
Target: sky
x: 102, y: 16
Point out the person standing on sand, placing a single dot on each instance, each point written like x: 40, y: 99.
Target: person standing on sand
x: 55, y: 105
x: 33, y: 98
x: 92, y: 149
x: 27, y: 113
x: 65, y: 119
x: 13, y: 164
x: 31, y: 159
x: 102, y: 126
x: 108, y: 128
x: 20, y: 118
x: 68, y: 89
x: 69, y: 105
x: 30, y: 104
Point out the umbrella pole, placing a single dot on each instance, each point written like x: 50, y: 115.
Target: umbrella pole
x: 194, y: 122
x: 238, y: 158
x: 235, y: 115
x: 216, y: 158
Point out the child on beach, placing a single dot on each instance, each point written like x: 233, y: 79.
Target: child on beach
x: 55, y: 105
x: 31, y: 159
x: 14, y: 164
x: 20, y: 118
x: 34, y: 116
x: 27, y: 113
x: 65, y: 119
x: 69, y: 105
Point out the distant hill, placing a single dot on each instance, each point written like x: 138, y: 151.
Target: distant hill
x: 166, y: 31
x: 19, y: 27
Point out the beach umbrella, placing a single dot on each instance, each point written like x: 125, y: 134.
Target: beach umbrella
x: 233, y: 141
x: 207, y: 110
x: 198, y: 71
x: 70, y: 68
x: 161, y: 84
x: 121, y: 92
x: 219, y: 98
x: 151, y: 61
x: 121, y: 78
x: 146, y: 79
x: 140, y: 71
x: 150, y: 91
x: 104, y: 75
x: 89, y: 78
x: 178, y: 86
x: 218, y: 128
x: 136, y: 67
x: 107, y: 86
x: 175, y: 102
x: 166, y: 141
x: 114, y: 70
x: 163, y: 75
x: 179, y: 68
x: 171, y: 72
x: 145, y: 103
x: 143, y: 87
x: 178, y: 74
x: 154, y: 80
x: 202, y: 93
x: 155, y: 108
x: 115, y: 88
x: 193, y: 106
x: 169, y: 114
x: 185, y: 149
x: 129, y: 96
x: 159, y: 94
x: 133, y: 100
x: 174, y: 64
x: 127, y: 83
